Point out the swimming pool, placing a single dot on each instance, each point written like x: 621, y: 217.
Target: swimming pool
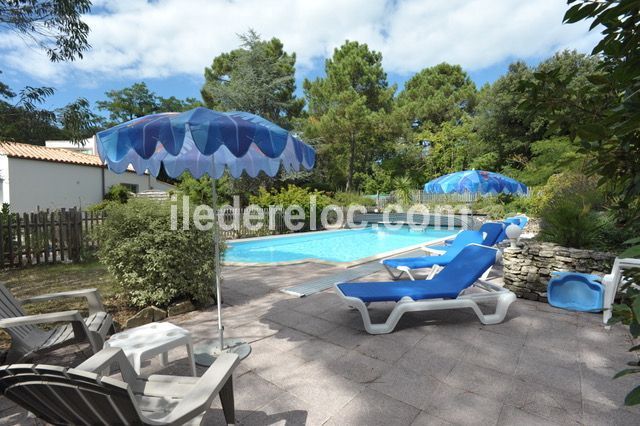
x: 347, y: 245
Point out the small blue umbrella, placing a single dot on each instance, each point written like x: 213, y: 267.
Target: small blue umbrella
x: 476, y: 181
x: 202, y: 141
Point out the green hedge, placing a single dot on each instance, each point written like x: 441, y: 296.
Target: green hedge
x: 152, y: 264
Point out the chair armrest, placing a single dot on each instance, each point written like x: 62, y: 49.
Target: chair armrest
x: 107, y: 358
x: 65, y: 316
x: 91, y: 294
x: 199, y: 398
x: 432, y: 250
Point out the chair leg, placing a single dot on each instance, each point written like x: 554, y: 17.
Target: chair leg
x: 226, y: 398
x: 393, y: 272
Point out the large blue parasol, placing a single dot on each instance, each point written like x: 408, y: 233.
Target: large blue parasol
x: 476, y: 181
x: 202, y: 141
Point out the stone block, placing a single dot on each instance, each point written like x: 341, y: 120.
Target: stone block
x: 145, y: 316
x: 180, y: 308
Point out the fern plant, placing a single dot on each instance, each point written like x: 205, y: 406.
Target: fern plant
x: 627, y: 312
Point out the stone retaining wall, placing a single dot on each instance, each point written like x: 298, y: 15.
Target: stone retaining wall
x: 527, y: 269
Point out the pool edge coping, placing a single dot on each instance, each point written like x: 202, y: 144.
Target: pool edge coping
x: 345, y: 265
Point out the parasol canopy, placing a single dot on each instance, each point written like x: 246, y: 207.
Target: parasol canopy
x: 202, y: 141
x: 476, y: 181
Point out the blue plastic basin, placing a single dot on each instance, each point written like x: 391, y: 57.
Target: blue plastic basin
x: 576, y: 291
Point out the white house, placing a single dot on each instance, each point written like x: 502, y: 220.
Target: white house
x: 36, y: 177
x: 87, y: 146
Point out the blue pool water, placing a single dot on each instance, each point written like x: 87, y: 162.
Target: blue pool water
x: 334, y: 246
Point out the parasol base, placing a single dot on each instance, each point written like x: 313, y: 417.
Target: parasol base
x: 208, y: 350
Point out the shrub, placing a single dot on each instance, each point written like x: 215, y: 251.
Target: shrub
x: 118, y: 193
x: 403, y: 187
x: 291, y: 196
x: 568, y: 206
x: 199, y: 190
x: 562, y: 184
x: 570, y: 222
x: 152, y: 264
x: 352, y: 198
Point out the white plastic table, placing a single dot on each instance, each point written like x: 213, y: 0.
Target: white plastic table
x: 145, y: 342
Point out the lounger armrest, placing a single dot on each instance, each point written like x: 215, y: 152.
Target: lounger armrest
x: 90, y: 294
x: 432, y: 250
x: 198, y: 399
x: 65, y: 316
x: 107, y: 358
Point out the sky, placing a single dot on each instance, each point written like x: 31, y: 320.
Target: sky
x: 168, y: 43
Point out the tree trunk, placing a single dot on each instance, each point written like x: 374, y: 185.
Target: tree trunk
x: 352, y: 160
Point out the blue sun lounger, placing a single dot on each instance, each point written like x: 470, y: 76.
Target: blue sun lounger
x: 462, y: 239
x: 447, y: 290
x: 491, y: 230
x: 520, y: 220
x: 486, y: 235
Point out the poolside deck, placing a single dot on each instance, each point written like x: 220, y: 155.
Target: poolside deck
x: 312, y: 363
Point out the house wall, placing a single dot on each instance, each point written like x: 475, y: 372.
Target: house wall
x: 45, y: 185
x: 4, y: 179
x: 144, y: 183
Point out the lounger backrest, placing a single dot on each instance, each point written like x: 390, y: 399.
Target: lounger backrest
x: 67, y: 396
x: 523, y: 220
x: 468, y: 266
x: 10, y: 308
x: 493, y: 230
x: 467, y: 237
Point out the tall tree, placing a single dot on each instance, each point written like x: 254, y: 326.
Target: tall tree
x: 608, y: 128
x: 348, y: 113
x: 137, y: 101
x: 508, y: 130
x: 437, y: 95
x: 56, y: 27
x: 259, y: 77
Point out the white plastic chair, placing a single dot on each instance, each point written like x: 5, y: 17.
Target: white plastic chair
x: 613, y: 281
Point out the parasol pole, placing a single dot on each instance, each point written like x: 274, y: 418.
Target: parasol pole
x: 207, y: 351
x: 216, y: 259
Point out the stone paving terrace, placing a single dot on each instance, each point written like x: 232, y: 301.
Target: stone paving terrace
x: 312, y: 363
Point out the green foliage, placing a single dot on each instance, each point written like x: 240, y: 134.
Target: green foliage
x: 627, y: 312
x: 293, y: 196
x: 137, y: 101
x: 570, y: 222
x: 608, y: 126
x: 352, y: 198
x: 259, y: 78
x: 449, y: 149
x: 501, y: 206
x: 199, y: 191
x: 152, y: 264
x: 349, y: 119
x: 118, y: 193
x: 56, y: 26
x: 568, y: 210
x: 402, y: 190
x: 549, y: 156
x: 437, y: 95
x: 509, y: 123
x: 78, y: 121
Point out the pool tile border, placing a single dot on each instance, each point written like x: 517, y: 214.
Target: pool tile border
x: 327, y: 262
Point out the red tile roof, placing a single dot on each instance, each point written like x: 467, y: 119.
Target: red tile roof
x: 35, y: 152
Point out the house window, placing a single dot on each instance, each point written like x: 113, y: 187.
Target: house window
x: 132, y: 187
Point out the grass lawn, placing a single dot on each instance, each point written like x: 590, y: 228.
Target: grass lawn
x: 44, y: 279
